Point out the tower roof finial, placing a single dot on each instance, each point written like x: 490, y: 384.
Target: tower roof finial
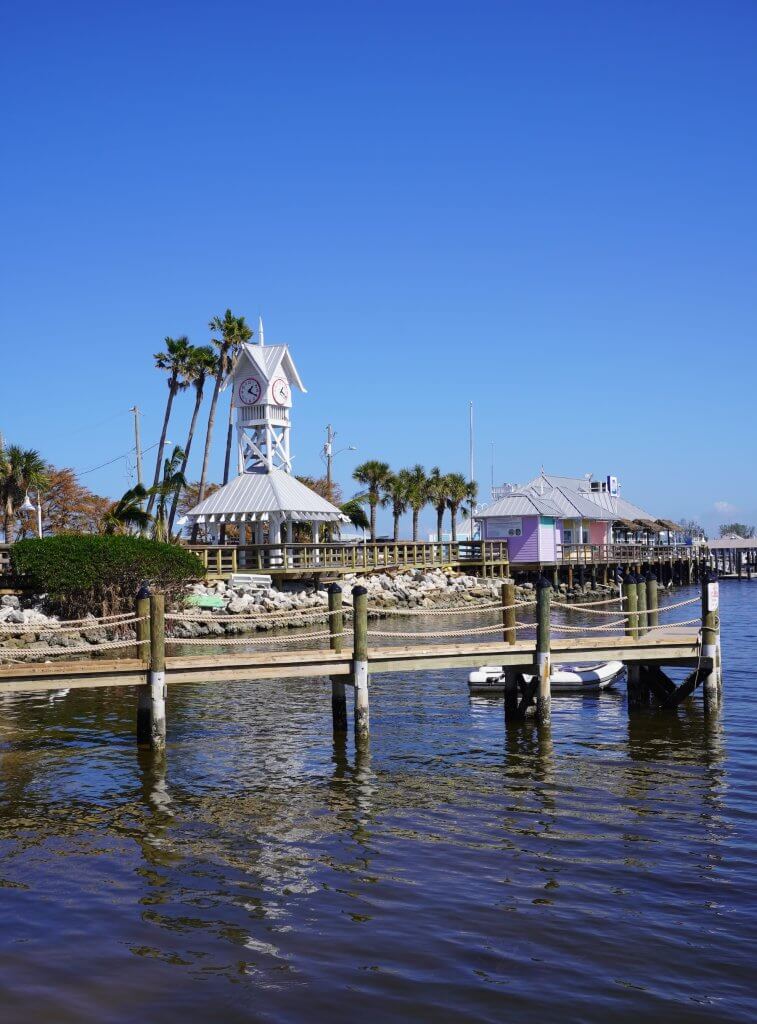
x: 261, y: 336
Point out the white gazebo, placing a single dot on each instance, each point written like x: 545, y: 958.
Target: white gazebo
x: 264, y: 495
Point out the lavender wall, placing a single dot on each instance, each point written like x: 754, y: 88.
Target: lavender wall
x: 526, y: 547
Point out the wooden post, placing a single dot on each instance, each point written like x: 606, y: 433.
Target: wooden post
x: 641, y: 604
x: 542, y: 654
x: 143, y: 652
x: 605, y: 574
x: 157, y: 672
x: 653, y: 600
x: 593, y: 576
x: 336, y: 625
x: 570, y: 577
x: 511, y: 695
x: 710, y: 633
x: 632, y: 603
x: 360, y: 662
x: 508, y: 611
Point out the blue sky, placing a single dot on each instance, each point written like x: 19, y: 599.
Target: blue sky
x: 548, y: 208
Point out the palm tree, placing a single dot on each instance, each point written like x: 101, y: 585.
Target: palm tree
x: 20, y: 470
x: 202, y: 363
x: 175, y: 360
x: 438, y: 496
x: 417, y: 493
x: 374, y: 475
x: 459, y: 490
x: 355, y: 513
x: 232, y: 331
x: 168, y: 489
x: 396, y: 493
x: 127, y: 512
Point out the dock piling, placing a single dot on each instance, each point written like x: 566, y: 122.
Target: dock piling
x: 711, y: 634
x: 631, y: 594
x: 157, y: 672
x: 542, y: 653
x: 641, y: 604
x: 360, y: 662
x: 508, y: 611
x: 653, y: 600
x: 142, y: 652
x: 336, y: 626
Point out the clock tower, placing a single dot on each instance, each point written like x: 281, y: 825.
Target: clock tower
x: 263, y: 380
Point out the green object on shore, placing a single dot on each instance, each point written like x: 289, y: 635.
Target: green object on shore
x: 204, y: 601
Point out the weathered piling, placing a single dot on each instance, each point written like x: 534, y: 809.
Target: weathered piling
x: 711, y: 634
x: 508, y: 611
x: 641, y: 604
x: 653, y: 600
x: 157, y: 672
x: 336, y: 627
x: 143, y: 652
x: 542, y: 655
x: 360, y: 662
x: 630, y: 592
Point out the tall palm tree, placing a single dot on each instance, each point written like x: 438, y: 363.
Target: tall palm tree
x: 459, y: 490
x: 175, y: 360
x: 127, y: 512
x: 396, y: 494
x: 168, y: 489
x: 202, y: 363
x: 21, y: 469
x: 232, y: 331
x: 355, y: 513
x: 438, y: 496
x: 374, y: 475
x: 417, y: 493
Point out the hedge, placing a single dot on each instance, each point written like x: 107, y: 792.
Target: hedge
x: 81, y: 573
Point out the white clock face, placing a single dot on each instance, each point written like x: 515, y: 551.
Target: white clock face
x: 280, y: 391
x: 250, y: 391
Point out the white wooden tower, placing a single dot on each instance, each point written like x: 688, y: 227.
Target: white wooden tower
x: 263, y: 380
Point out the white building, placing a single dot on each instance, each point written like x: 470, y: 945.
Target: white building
x: 264, y: 498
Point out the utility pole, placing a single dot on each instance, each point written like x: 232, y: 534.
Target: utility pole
x: 328, y: 451
x: 137, y: 443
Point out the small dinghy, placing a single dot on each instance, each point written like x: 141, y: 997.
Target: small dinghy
x: 564, y: 678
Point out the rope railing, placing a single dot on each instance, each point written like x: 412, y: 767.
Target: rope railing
x: 59, y: 628
x: 248, y: 641
x: 48, y: 652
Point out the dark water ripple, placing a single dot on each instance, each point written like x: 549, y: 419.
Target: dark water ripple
x: 606, y: 871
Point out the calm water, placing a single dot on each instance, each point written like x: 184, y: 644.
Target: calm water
x: 450, y: 873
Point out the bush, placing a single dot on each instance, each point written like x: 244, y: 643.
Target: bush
x: 82, y: 573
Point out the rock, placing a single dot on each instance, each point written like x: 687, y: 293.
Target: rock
x: 10, y: 601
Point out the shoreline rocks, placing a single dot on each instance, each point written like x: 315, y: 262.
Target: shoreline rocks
x: 288, y: 608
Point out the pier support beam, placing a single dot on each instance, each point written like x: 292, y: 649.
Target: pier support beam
x: 360, y: 663
x: 336, y: 626
x: 542, y: 655
x: 641, y: 603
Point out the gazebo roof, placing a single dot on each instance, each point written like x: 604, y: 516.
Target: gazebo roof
x: 255, y: 497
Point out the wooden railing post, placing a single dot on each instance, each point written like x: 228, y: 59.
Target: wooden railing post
x: 543, y: 643
x: 336, y: 625
x: 508, y: 611
x: 711, y: 634
x: 360, y: 662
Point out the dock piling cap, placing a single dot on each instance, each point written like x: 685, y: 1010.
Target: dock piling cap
x: 358, y: 590
x: 144, y: 591
x: 543, y: 582
x: 650, y: 577
x: 629, y: 578
x: 334, y: 588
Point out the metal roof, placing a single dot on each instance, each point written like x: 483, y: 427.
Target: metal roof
x: 256, y: 496
x: 617, y: 506
x: 520, y: 503
x: 267, y: 357
x: 573, y: 505
x: 733, y: 543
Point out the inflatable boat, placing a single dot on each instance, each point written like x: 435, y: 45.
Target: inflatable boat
x: 564, y: 678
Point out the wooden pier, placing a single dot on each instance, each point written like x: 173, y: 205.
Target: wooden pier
x: 633, y: 635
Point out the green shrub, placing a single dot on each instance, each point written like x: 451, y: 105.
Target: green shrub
x: 81, y: 573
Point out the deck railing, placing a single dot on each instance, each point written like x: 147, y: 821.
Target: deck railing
x: 593, y: 554
x: 303, y: 558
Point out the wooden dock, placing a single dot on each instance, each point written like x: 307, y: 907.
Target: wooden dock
x: 525, y: 650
